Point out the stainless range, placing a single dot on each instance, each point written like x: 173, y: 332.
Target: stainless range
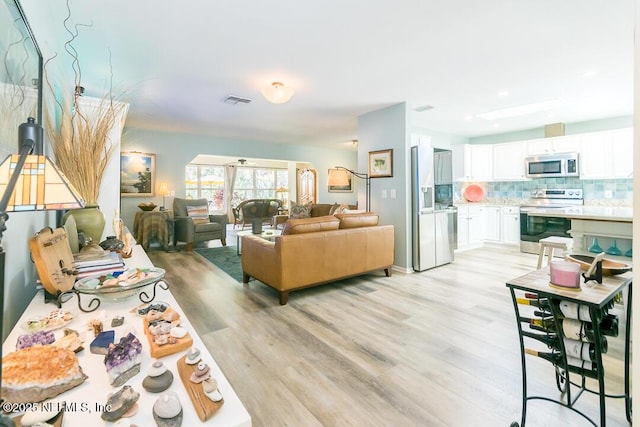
x: 534, y: 228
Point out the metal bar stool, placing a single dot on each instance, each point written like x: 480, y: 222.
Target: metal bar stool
x: 548, y: 244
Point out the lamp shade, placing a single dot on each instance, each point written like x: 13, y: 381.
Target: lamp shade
x: 338, y: 177
x: 40, y: 185
x: 277, y: 93
x: 164, y: 189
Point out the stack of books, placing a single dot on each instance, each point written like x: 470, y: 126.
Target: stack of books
x: 97, y: 264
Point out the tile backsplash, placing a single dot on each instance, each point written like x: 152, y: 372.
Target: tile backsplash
x: 595, y: 190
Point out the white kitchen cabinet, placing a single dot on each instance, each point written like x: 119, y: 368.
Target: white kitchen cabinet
x: 622, y: 153
x: 472, y: 225
x: 463, y: 226
x: 473, y: 162
x: 595, y: 155
x: 493, y: 215
x: 556, y: 144
x: 508, y: 161
x: 511, y: 225
x: 607, y: 155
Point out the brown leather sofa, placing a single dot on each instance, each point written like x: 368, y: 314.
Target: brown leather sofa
x: 313, y: 251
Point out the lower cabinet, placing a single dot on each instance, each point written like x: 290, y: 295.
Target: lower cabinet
x: 511, y: 225
x: 493, y: 215
x: 471, y: 225
x: 487, y: 223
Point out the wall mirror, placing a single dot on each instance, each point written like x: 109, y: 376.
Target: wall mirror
x: 20, y: 75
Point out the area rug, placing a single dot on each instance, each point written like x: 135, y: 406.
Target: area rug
x: 226, y: 258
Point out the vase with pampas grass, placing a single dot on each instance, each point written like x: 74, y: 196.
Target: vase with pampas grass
x: 82, y: 148
x: 79, y: 130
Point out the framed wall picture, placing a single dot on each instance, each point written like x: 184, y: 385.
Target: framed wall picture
x: 381, y: 163
x: 137, y: 174
x: 346, y: 188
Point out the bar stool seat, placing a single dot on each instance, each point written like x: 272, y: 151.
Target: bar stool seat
x: 548, y: 244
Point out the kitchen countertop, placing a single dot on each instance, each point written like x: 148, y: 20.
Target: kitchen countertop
x: 597, y: 213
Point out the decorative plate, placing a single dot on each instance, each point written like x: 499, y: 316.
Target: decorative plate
x: 473, y: 193
x: 119, y: 284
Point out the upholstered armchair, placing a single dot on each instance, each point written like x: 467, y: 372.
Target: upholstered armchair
x: 194, y: 224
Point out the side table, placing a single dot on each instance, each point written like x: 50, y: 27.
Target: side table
x: 148, y: 226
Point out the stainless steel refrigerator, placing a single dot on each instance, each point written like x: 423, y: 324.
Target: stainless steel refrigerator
x: 434, y: 218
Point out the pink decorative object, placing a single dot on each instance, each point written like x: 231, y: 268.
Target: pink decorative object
x: 473, y: 193
x: 565, y: 274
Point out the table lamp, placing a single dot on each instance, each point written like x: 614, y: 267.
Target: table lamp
x: 31, y: 182
x: 164, y: 191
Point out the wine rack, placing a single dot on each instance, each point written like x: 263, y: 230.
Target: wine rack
x: 574, y: 326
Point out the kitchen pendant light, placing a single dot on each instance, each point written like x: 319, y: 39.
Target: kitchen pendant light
x: 277, y: 93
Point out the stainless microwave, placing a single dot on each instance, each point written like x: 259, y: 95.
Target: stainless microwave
x: 552, y: 165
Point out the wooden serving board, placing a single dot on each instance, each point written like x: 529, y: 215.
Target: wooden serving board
x: 205, y: 407
x: 52, y: 256
x: 158, y: 351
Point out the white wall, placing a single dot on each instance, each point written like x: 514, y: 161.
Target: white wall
x: 19, y: 272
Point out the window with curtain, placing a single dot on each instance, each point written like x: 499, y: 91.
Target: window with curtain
x: 207, y: 181
x: 258, y: 183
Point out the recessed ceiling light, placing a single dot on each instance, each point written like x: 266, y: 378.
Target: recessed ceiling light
x: 503, y: 93
x: 520, y: 110
x: 496, y: 125
x: 468, y: 117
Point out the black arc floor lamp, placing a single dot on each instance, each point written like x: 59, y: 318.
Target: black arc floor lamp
x: 30, y: 181
x: 339, y: 177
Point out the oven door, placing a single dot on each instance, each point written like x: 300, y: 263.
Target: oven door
x: 534, y: 228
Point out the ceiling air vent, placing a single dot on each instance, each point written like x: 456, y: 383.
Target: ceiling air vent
x: 423, y: 108
x: 232, y: 99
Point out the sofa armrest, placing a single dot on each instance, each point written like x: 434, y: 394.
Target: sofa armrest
x: 261, y: 258
x: 184, y: 229
x: 222, y: 219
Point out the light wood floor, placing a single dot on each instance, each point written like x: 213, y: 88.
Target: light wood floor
x: 437, y: 348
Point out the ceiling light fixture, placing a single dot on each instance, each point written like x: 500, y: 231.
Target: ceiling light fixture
x: 520, y: 110
x: 277, y: 93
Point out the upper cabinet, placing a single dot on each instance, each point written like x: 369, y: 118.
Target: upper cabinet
x: 508, y: 161
x: 606, y: 155
x: 473, y: 162
x: 603, y: 155
x: 556, y: 144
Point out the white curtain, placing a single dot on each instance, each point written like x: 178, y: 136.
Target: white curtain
x: 229, y: 184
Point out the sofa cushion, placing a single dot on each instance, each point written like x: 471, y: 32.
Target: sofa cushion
x: 311, y: 225
x: 355, y: 220
x: 320, y: 209
x: 199, y: 214
x: 300, y: 211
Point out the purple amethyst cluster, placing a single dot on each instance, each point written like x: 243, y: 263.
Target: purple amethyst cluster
x: 123, y: 358
x: 29, y: 340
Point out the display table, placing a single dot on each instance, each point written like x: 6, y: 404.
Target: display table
x: 93, y: 392
x: 148, y: 226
